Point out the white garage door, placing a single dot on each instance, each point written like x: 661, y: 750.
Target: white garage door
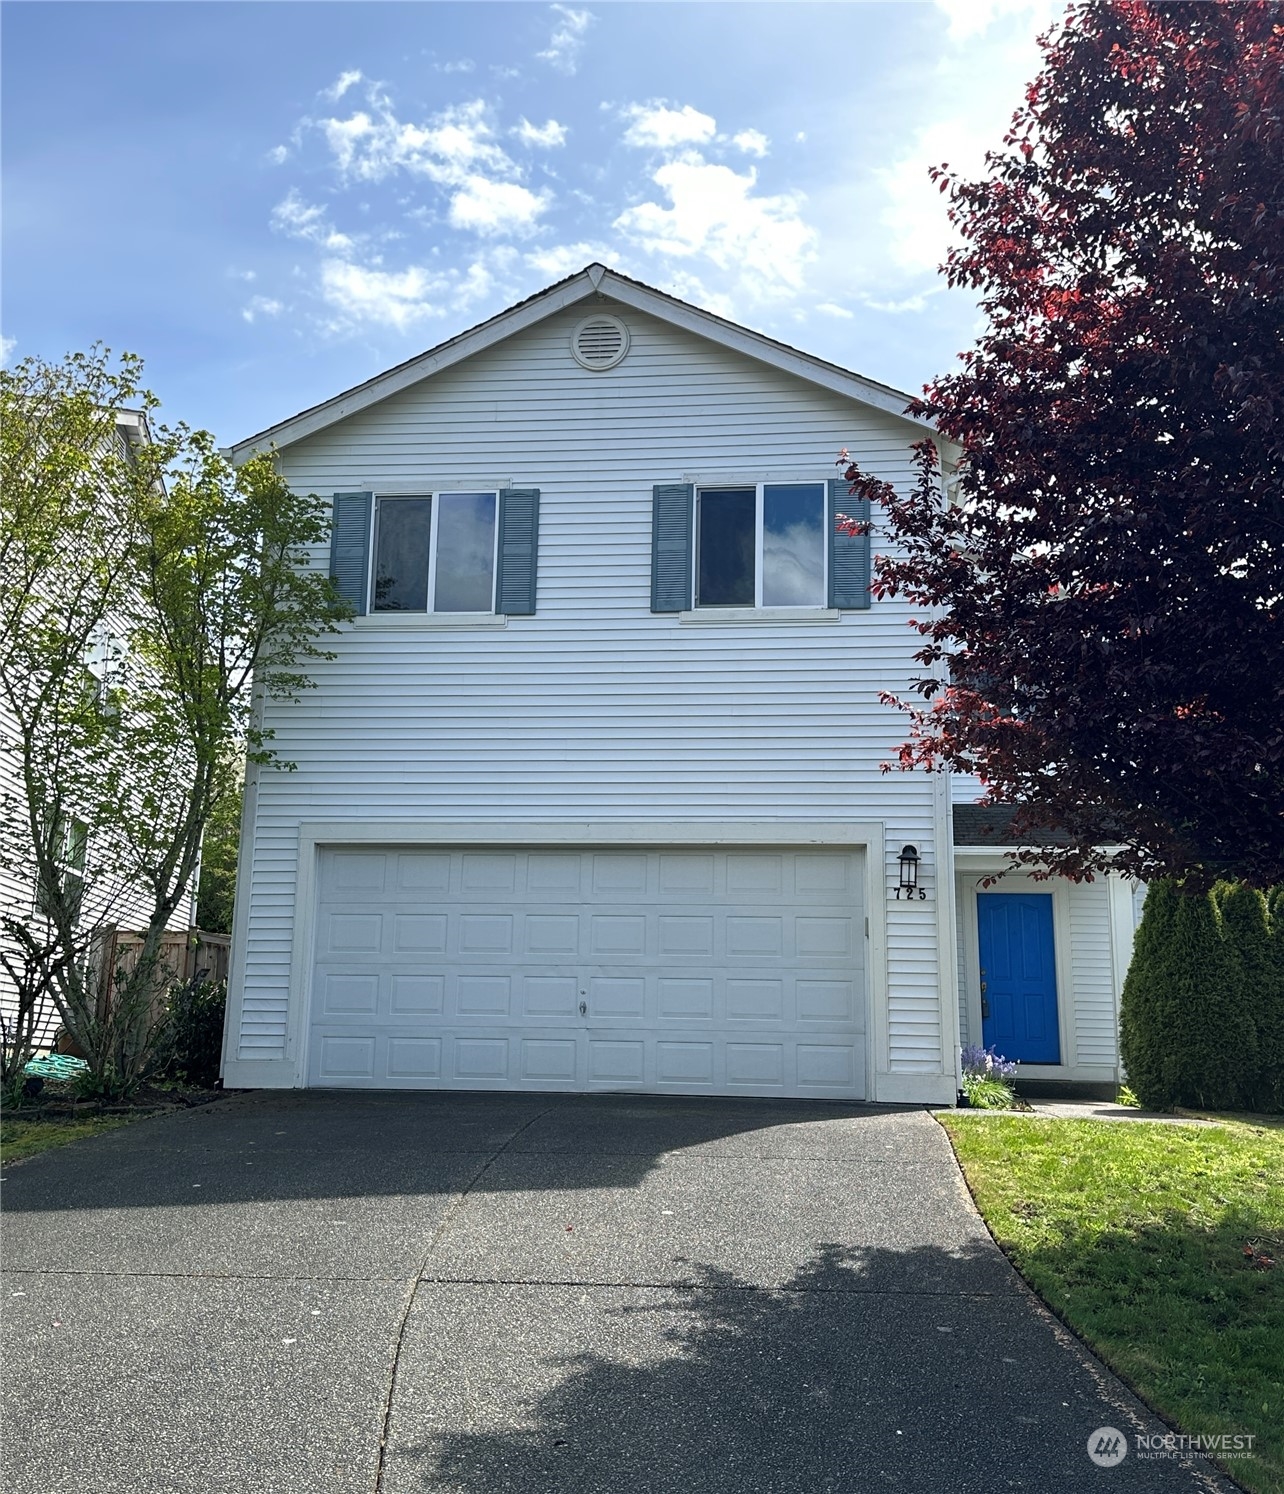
x: 675, y: 971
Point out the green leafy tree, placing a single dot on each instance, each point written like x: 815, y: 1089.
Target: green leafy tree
x: 219, y: 850
x: 192, y: 579
x: 68, y: 528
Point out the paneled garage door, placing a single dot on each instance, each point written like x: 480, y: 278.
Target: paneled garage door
x: 682, y: 971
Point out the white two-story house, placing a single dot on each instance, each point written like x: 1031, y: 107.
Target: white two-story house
x: 591, y: 795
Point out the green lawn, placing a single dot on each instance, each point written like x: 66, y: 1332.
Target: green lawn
x: 1135, y: 1234
x: 25, y: 1135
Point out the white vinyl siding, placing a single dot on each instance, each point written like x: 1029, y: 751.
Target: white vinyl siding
x: 595, y: 707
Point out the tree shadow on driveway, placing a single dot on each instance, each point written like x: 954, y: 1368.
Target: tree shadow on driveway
x: 835, y: 1382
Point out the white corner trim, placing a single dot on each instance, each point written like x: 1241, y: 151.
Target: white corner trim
x: 738, y: 615
x: 261, y: 1073
x: 234, y: 1007
x: 947, y: 928
x: 913, y: 1089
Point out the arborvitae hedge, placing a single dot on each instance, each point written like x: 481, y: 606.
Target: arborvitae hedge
x: 1202, y: 1015
x: 1149, y: 991
x: 1271, y: 1030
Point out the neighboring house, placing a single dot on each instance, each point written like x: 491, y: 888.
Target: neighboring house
x: 590, y: 796
x: 109, y: 905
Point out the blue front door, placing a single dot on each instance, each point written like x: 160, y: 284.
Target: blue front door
x: 1018, y: 976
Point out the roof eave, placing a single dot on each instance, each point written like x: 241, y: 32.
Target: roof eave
x: 594, y: 280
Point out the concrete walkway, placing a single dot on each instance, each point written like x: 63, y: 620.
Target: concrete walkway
x: 1106, y: 1110
x: 497, y: 1294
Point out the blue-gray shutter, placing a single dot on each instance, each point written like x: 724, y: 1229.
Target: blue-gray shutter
x: 672, y: 521
x: 518, y: 551
x: 849, y: 566
x: 350, y: 547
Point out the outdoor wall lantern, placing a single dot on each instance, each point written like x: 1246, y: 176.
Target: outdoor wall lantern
x: 908, y: 860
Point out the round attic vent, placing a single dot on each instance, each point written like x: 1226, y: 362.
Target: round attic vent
x: 600, y: 342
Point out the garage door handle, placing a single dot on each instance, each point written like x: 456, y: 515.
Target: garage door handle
x: 583, y: 1008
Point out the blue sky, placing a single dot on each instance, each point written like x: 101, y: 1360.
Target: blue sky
x: 271, y: 202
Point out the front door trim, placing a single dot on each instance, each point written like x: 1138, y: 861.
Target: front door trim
x: 973, y: 870
x: 1020, y: 1001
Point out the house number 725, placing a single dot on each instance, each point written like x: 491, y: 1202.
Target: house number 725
x: 910, y: 894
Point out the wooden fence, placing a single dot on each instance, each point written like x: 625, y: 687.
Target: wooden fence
x: 184, y: 955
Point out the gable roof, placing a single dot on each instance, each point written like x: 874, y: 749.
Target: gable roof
x: 593, y: 282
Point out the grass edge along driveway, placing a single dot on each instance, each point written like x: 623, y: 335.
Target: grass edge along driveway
x: 23, y: 1136
x: 1135, y: 1234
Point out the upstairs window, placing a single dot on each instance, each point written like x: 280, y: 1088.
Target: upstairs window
x: 452, y: 554
x: 435, y: 553
x: 745, y: 548
x: 761, y: 546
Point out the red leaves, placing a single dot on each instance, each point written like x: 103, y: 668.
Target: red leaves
x: 1105, y: 636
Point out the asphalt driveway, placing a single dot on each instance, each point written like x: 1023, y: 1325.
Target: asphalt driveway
x: 322, y: 1292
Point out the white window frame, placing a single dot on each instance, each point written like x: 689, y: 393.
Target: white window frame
x: 759, y: 504
x: 433, y: 518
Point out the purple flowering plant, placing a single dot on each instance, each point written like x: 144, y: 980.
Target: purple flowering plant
x: 985, y: 1063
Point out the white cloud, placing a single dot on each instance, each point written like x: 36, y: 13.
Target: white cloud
x: 279, y: 155
x: 464, y: 65
x: 7, y: 345
x: 235, y: 274
x: 657, y: 127
x: 567, y: 41
x: 969, y: 18
x: 342, y: 83
x: 713, y: 212
x: 566, y: 259
x: 971, y: 95
x: 832, y: 308
x: 453, y: 145
x: 546, y: 136
x: 259, y: 306
x: 752, y: 142
x: 362, y: 296
x: 895, y: 308
x: 302, y: 220
x: 487, y: 206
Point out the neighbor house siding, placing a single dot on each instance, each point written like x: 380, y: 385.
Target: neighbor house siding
x: 594, y: 707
